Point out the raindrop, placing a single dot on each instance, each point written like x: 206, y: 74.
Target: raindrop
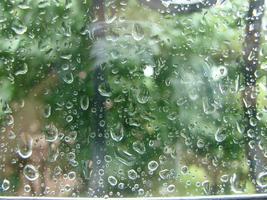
x: 224, y: 178
x: 25, y: 147
x: 235, y: 186
x: 68, y: 78
x: 51, y: 133
x: 153, y: 165
x: 112, y: 181
x: 262, y: 179
x: 5, y: 185
x: 118, y: 133
x: 84, y: 102
x: 27, y: 188
x: 132, y: 174
x: 30, y: 172
x: 47, y: 111
x: 143, y: 95
x: 171, y: 188
x: 137, y: 32
x: 220, y: 135
x: 72, y: 175
x: 23, y: 70
x: 19, y: 29
x: 104, y: 90
x: 139, y: 147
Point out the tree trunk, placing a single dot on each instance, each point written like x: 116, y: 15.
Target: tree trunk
x: 251, y: 61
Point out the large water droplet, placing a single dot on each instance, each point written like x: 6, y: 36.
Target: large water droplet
x: 104, y: 90
x: 84, y: 102
x: 139, y: 147
x: 143, y: 95
x: 25, y: 146
x: 22, y: 70
x: 236, y: 187
x: 132, y: 174
x: 117, y: 133
x: 51, y: 133
x: 68, y: 78
x: 171, y: 188
x: 220, y: 135
x: 153, y: 165
x: 30, y: 172
x: 137, y: 32
x: 19, y: 29
x: 262, y: 179
x: 112, y: 180
x: 47, y: 111
x: 5, y: 185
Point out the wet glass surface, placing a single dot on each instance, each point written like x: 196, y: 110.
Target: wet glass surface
x: 133, y: 98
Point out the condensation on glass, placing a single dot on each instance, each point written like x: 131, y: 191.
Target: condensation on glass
x: 133, y: 98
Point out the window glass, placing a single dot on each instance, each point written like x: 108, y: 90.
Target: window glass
x: 133, y: 98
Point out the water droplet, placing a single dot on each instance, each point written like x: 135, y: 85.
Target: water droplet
x: 153, y: 165
x: 132, y: 174
x: 27, y: 188
x: 25, y: 145
x: 139, y: 147
x: 220, y: 135
x: 262, y: 179
x: 137, y: 32
x: 112, y: 180
x: 51, y: 133
x: 84, y: 102
x: 30, y: 172
x: 23, y: 70
x: 72, y: 175
x: 104, y: 90
x: 143, y: 95
x: 171, y: 188
x: 235, y: 185
x: 5, y: 185
x: 165, y: 174
x: 224, y: 178
x: 68, y: 78
x: 47, y: 111
x: 19, y: 29
x: 118, y: 133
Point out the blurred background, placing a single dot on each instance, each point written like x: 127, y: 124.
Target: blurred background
x: 133, y: 98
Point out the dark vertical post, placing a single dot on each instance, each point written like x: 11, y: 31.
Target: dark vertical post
x: 97, y: 183
x: 251, y: 62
